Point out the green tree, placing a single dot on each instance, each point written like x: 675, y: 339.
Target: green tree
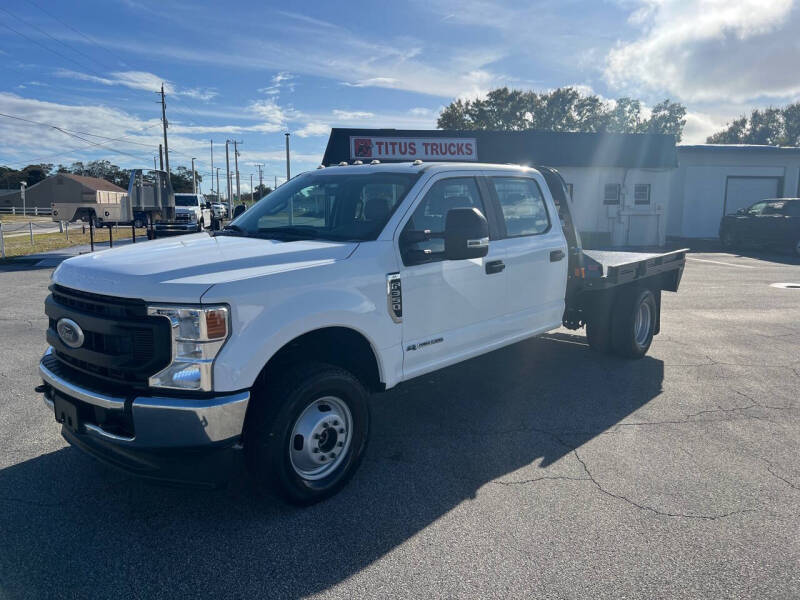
x: 562, y: 109
x: 772, y: 126
x: 182, y: 181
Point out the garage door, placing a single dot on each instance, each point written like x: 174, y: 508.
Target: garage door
x: 741, y: 192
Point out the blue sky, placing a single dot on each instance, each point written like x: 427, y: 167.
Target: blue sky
x: 252, y: 70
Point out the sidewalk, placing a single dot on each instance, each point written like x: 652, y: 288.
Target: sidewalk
x: 53, y: 258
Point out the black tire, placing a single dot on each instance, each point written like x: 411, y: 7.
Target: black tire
x: 627, y: 339
x: 275, y: 410
x: 598, y: 334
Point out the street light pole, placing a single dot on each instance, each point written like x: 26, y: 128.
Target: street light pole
x: 194, y: 177
x: 251, y: 188
x: 236, y: 166
x: 22, y: 186
x: 288, y: 173
x: 228, y: 171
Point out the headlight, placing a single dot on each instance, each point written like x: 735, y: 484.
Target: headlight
x: 198, y: 335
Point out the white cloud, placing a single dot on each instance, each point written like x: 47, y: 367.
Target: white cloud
x: 279, y: 81
x: 710, y: 50
x: 312, y: 129
x: 271, y: 111
x: 139, y: 80
x: 352, y: 115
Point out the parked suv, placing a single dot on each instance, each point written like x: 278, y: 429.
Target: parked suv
x: 773, y: 223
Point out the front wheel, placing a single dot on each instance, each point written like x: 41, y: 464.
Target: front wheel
x: 306, y: 434
x: 634, y: 323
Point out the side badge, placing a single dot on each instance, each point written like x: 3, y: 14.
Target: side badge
x: 394, y: 297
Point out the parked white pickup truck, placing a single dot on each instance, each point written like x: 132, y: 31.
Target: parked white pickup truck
x: 192, y: 213
x: 168, y: 358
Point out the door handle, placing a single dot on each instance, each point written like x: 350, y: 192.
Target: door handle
x: 556, y: 255
x: 494, y: 266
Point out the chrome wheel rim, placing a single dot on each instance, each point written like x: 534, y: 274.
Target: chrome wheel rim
x: 641, y: 326
x: 320, y: 438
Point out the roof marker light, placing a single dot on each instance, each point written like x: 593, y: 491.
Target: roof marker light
x: 321, y: 167
x: 358, y: 162
x: 375, y: 161
x: 417, y: 162
x: 343, y: 163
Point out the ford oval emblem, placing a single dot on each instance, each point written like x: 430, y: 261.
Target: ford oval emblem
x: 70, y: 333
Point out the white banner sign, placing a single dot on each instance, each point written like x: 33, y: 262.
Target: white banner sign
x: 402, y: 148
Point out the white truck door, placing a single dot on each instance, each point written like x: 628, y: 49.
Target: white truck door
x: 535, y: 251
x: 450, y: 307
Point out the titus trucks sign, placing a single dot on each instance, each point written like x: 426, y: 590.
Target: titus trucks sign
x: 400, y: 148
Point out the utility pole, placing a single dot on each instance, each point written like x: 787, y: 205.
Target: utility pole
x: 22, y: 186
x: 164, y: 121
x: 251, y: 189
x: 212, y: 166
x: 228, y: 171
x: 260, y: 180
x: 194, y: 177
x: 219, y: 193
x: 236, y: 164
x: 161, y: 156
x: 154, y: 163
x: 288, y: 174
x: 276, y: 182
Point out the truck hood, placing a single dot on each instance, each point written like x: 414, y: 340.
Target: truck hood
x: 181, y: 269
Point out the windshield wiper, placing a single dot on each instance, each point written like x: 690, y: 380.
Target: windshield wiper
x: 232, y: 230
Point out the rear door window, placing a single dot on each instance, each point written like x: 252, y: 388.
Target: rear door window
x: 522, y: 204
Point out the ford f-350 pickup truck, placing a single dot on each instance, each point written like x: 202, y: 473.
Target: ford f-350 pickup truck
x: 171, y: 358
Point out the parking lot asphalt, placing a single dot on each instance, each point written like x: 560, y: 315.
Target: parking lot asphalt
x: 541, y: 470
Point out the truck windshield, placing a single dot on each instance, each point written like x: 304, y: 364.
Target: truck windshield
x: 185, y: 200
x: 345, y: 206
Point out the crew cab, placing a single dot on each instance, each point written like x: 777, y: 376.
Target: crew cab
x: 267, y: 338
x: 771, y: 223
x: 192, y: 214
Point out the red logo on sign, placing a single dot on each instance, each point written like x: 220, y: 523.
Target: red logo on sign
x: 362, y: 147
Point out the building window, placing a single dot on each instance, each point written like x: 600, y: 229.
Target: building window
x: 641, y: 193
x: 611, y: 194
x: 569, y: 192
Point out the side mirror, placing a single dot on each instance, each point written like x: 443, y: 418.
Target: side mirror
x: 466, y: 234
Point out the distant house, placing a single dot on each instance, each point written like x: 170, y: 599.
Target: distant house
x: 62, y: 188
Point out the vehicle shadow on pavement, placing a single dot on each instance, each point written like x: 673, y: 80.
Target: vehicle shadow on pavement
x: 72, y: 527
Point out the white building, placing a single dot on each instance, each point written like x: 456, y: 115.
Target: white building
x: 716, y: 180
x: 620, y: 184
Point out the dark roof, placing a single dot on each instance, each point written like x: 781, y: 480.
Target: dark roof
x: 93, y: 183
x: 740, y: 148
x: 556, y: 149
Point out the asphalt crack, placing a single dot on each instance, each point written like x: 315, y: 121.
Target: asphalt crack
x: 783, y: 479
x: 650, y: 508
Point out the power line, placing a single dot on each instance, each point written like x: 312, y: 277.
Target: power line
x: 84, y: 36
x: 62, y: 129
x: 56, y: 40
x: 31, y: 40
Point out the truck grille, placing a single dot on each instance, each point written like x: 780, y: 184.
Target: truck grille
x: 182, y: 218
x: 122, y: 344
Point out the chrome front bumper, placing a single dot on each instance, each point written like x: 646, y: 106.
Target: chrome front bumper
x: 161, y: 422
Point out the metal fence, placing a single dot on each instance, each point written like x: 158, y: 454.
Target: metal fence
x: 29, y: 211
